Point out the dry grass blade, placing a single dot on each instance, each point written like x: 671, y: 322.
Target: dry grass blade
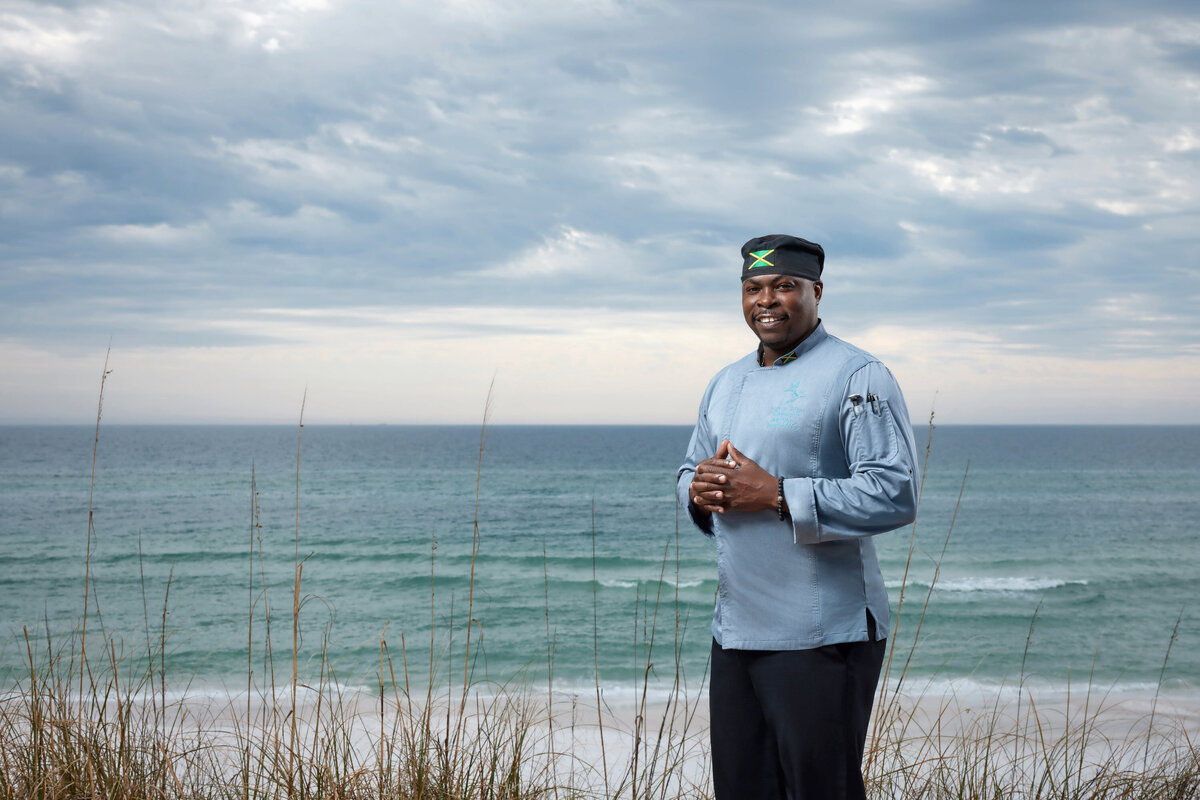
x: 882, y: 708
x: 1161, y: 674
x: 937, y: 571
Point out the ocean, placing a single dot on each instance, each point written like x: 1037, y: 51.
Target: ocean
x: 1073, y: 557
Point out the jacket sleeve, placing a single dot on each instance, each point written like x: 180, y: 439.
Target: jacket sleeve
x: 880, y: 493
x: 700, y: 447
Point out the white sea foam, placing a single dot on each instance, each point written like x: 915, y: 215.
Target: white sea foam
x: 1043, y: 689
x: 616, y: 583
x: 685, y: 584
x: 627, y: 694
x: 613, y: 583
x: 998, y: 584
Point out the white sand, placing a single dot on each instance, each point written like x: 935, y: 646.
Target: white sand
x: 1028, y: 732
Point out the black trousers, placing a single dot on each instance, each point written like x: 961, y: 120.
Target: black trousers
x: 792, y: 723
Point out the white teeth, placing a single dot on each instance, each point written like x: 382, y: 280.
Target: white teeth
x: 768, y: 319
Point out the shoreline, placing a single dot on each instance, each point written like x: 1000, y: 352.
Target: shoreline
x: 1115, y: 715
x: 1182, y: 697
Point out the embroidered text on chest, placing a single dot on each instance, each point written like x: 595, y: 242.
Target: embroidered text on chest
x: 789, y: 413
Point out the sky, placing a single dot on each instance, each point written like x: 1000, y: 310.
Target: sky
x: 383, y: 208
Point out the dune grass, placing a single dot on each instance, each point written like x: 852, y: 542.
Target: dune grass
x: 89, y: 720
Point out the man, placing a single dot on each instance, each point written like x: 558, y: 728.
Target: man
x: 802, y: 452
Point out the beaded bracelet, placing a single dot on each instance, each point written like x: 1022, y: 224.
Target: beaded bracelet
x: 779, y: 501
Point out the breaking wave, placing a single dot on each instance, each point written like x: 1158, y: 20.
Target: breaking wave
x: 1006, y: 584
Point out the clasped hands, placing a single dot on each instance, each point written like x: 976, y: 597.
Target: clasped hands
x: 729, y: 481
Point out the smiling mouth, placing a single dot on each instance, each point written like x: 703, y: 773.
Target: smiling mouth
x: 770, y: 319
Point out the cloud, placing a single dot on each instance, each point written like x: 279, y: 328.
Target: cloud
x: 568, y: 251
x: 33, y: 42
x: 157, y: 235
x: 878, y: 96
x: 168, y: 171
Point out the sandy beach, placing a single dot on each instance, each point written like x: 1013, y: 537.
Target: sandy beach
x: 1014, y: 738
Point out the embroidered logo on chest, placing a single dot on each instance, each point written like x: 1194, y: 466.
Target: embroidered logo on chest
x: 789, y: 414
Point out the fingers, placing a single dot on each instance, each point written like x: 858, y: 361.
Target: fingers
x: 730, y: 454
x: 715, y: 469
x: 712, y: 491
x: 713, y: 488
x: 708, y: 501
x: 742, y: 462
x: 710, y: 497
x: 713, y: 476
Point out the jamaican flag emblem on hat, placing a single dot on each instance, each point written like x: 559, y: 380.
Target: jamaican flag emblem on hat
x: 760, y: 259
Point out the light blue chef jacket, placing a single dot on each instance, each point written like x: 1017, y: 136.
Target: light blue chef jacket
x: 849, y: 474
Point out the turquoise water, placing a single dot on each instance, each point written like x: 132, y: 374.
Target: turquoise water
x: 1078, y: 541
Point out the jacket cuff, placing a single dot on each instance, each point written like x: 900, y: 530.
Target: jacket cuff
x: 683, y: 494
x: 802, y: 507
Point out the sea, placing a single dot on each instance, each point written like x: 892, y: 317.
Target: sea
x: 1044, y: 557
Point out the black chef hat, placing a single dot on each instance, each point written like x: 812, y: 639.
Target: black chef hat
x: 780, y: 254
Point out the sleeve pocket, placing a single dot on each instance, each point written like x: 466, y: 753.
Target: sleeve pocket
x: 873, y: 436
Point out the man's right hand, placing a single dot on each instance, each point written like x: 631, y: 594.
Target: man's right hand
x: 711, y: 480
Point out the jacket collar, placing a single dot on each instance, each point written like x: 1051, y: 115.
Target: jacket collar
x: 806, y: 344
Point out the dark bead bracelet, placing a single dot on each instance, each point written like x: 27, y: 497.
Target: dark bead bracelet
x: 779, y: 501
